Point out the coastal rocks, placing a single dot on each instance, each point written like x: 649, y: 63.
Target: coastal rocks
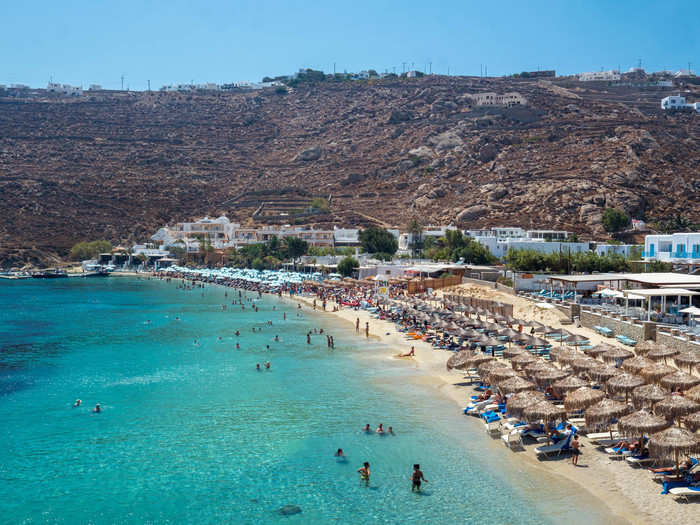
x: 423, y: 152
x: 422, y: 202
x: 487, y: 153
x: 289, y: 510
x: 446, y: 141
x: 472, y: 212
x: 309, y: 154
x: 398, y: 115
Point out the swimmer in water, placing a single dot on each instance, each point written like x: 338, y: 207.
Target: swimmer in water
x: 391, y: 431
x: 380, y: 429
x: 277, y: 338
x: 97, y: 409
x: 77, y: 403
x: 237, y: 333
x: 257, y: 367
x: 238, y: 347
x: 339, y: 453
x: 267, y: 365
x: 367, y: 429
x: 364, y: 472
x: 267, y: 347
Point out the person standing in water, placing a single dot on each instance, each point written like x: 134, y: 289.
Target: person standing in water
x: 416, y: 478
x: 364, y: 473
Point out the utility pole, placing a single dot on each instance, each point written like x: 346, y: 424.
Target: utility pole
x: 448, y: 71
x: 122, y: 81
x: 393, y: 68
x: 149, y: 86
x: 486, y: 71
x: 430, y: 65
x: 481, y: 70
x: 333, y: 68
x: 639, y: 64
x: 403, y: 64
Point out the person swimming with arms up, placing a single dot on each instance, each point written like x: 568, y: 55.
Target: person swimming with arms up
x: 364, y: 472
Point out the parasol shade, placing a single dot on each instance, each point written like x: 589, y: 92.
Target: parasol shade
x: 582, y: 397
x: 679, y: 381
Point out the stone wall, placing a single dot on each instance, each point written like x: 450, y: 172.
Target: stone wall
x: 638, y: 332
x: 676, y: 342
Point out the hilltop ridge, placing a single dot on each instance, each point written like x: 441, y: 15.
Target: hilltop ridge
x: 118, y: 165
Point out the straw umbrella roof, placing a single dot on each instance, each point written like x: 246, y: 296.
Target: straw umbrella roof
x: 575, y: 340
x: 679, y: 380
x: 540, y: 328
x: 635, y: 364
x: 484, y: 369
x: 656, y: 371
x: 543, y: 411
x: 675, y: 406
x: 662, y: 352
x: 644, y: 347
x: 602, y: 373
x: 690, y: 359
x: 509, y: 353
x: 693, y: 393
x: 624, y: 383
x: 569, y: 356
x: 672, y: 443
x: 616, y: 353
x: 524, y: 359
x: 582, y: 364
x: 547, y: 377
x: 508, y: 332
x: 648, y: 394
x: 603, y: 412
x: 568, y: 384
x: 515, y: 384
x: 500, y: 373
x: 642, y: 422
x: 693, y: 421
x: 582, y: 397
x: 459, y: 360
x: 516, y: 404
x: 598, y: 349
x: 537, y: 366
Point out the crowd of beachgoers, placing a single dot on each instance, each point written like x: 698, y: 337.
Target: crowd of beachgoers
x: 534, y: 384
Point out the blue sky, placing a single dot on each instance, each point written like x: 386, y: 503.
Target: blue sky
x: 175, y: 41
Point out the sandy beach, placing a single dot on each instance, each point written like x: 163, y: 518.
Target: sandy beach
x: 629, y: 493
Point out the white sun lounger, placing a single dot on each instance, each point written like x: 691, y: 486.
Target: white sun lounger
x: 557, y: 448
x: 512, y: 439
x: 595, y: 436
x: 686, y: 492
x: 638, y: 462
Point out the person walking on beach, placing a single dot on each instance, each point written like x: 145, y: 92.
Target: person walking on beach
x: 357, y: 325
x: 364, y: 473
x: 416, y: 478
x: 367, y: 329
x: 575, y: 450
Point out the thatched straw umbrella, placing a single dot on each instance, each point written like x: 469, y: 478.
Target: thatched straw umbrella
x: 598, y: 349
x: 459, y: 361
x: 672, y: 443
x: 509, y: 333
x: 689, y: 359
x: 543, y: 411
x: 583, y: 364
x: 623, y: 383
x: 602, y: 373
x: 616, y: 355
x: 577, y: 340
x: 692, y: 422
x: 642, y: 422
x: 582, y: 397
x: 602, y: 414
x: 537, y: 366
x: 656, y: 371
x: 509, y: 353
x: 516, y: 404
x: 644, y: 347
x: 674, y: 407
x: 568, y: 384
x: 568, y: 357
x: 647, y: 395
x: 693, y: 393
x: 662, y: 353
x: 545, y: 378
x: 514, y: 385
x: 500, y: 373
x: 635, y: 364
x: 523, y: 360
x: 480, y: 358
x: 538, y: 342
x: 679, y: 381
x: 484, y: 369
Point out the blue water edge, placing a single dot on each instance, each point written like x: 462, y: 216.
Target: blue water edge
x: 192, y: 433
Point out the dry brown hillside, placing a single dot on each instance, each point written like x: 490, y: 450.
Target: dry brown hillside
x: 118, y: 165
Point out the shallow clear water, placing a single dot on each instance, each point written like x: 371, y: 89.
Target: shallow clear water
x: 191, y: 433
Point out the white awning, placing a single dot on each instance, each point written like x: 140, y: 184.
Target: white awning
x: 660, y: 292
x: 692, y: 310
x: 609, y: 292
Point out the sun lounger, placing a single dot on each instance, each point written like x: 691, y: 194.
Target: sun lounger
x: 626, y: 340
x: 638, y: 461
x: 512, y: 439
x: 685, y: 492
x: 557, y: 448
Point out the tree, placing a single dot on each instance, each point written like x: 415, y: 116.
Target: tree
x: 296, y: 247
x: 614, y: 220
x: 89, y: 250
x: 347, y: 266
x: 378, y: 240
x: 415, y: 229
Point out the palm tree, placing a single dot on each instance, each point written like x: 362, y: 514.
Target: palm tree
x: 415, y: 229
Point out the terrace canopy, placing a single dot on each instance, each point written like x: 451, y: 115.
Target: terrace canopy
x: 663, y: 293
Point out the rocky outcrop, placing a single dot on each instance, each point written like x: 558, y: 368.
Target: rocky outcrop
x: 471, y: 213
x: 312, y: 153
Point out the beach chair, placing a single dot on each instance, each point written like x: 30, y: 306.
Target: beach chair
x: 512, y: 439
x: 638, y: 461
x: 685, y: 492
x: 556, y: 448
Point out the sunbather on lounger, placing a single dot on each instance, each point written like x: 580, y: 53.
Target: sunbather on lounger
x: 683, y: 466
x: 486, y: 395
x: 625, y: 445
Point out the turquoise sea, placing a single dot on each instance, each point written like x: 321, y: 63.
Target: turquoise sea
x: 192, y: 433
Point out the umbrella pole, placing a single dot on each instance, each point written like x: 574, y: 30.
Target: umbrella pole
x: 678, y: 472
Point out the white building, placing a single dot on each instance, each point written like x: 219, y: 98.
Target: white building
x: 599, y: 76
x: 494, y: 99
x: 64, y: 89
x: 673, y: 248
x: 406, y: 239
x: 346, y: 236
x: 626, y: 250
x: 677, y: 102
